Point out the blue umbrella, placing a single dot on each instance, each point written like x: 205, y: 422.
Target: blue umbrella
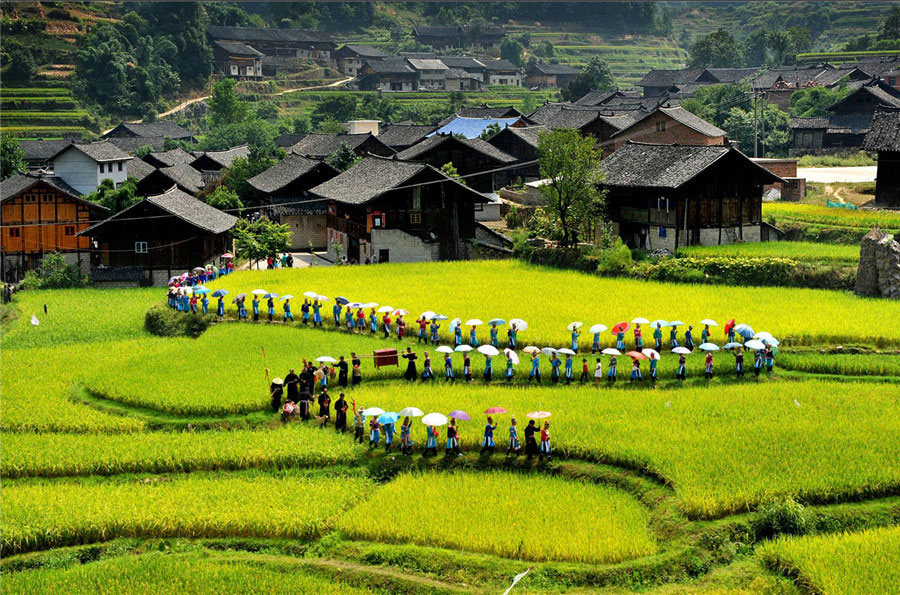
x: 201, y: 289
x: 744, y: 331
x: 440, y: 317
x: 342, y: 300
x: 220, y: 293
x: 388, y: 418
x: 270, y: 296
x: 497, y: 321
x: 731, y: 345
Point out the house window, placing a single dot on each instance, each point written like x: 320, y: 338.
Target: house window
x: 15, y: 232
x: 102, y: 167
x: 415, y: 218
x: 660, y: 126
x: 69, y: 230
x: 892, y: 81
x: 31, y: 198
x: 140, y: 247
x: 662, y: 232
x: 396, y: 86
x: 120, y: 166
x: 417, y: 198
x: 46, y: 198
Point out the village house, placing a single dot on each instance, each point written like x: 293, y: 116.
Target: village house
x: 884, y: 68
x: 600, y: 122
x: 549, y: 76
x: 431, y: 73
x: 465, y: 63
x: 181, y: 175
x: 459, y: 36
x: 884, y: 138
x: 295, y: 43
x: 350, y: 57
x: 323, y: 145
x: 212, y: 164
x: 502, y: 72
x: 668, y: 196
x: 37, y: 153
x: 460, y: 80
x: 669, y: 125
x: 41, y: 214
x: 84, y: 166
x: 389, y: 76
x: 403, y: 136
x: 779, y: 84
x: 685, y: 82
x: 238, y: 60
x: 158, y: 237
x: 169, y: 158
x: 470, y: 157
x: 284, y: 197
x: 150, y: 130
x: 520, y: 142
x: 389, y: 210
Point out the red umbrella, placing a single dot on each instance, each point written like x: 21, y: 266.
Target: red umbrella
x: 622, y: 327
x: 636, y: 355
x: 495, y: 411
x: 729, y: 325
x: 537, y: 414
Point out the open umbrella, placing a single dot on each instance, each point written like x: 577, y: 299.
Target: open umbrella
x: 198, y: 270
x: 744, y: 331
x: 435, y: 419
x: 662, y: 323
x: 238, y: 297
x: 760, y: 335
x: 271, y: 296
x: 173, y: 280
x: 729, y: 325
x: 731, y: 345
x: 532, y: 350
x: 444, y: 349
x: 651, y: 353
x: 755, y: 345
x: 512, y: 356
x: 384, y: 309
x: 464, y: 348
x: 636, y: 355
x: 548, y: 351
x: 286, y: 297
x: 460, y: 415
x: 187, y: 289
x: 400, y: 312
x: 227, y: 255
x: 565, y: 351
x: 411, y: 412
x: 495, y: 411
x: 370, y: 305
x: 497, y: 321
x: 709, y: 347
x: 372, y: 411
x: 201, y: 289
x: 622, y: 327
x: 355, y: 305
x: 310, y: 294
x: 440, y: 317
x: 519, y: 324
x: 326, y: 359
x: 259, y: 292
x: 574, y: 326
x: 771, y: 341
x: 322, y: 298
x: 474, y: 322
x: 537, y: 414
x: 709, y: 321
x: 388, y: 418
x: 676, y: 323
x: 597, y: 328
x: 640, y: 321
x: 455, y: 323
x: 611, y: 351
x: 342, y: 300
x: 220, y: 293
x: 488, y: 350
x: 427, y: 315
x: 681, y: 351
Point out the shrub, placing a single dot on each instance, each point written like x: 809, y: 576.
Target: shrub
x: 783, y: 516
x: 54, y: 273
x: 165, y: 322
x: 614, y: 260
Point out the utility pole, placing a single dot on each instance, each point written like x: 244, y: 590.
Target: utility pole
x: 762, y: 124
x: 755, y: 123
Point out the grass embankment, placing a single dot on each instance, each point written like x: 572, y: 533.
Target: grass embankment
x: 818, y: 223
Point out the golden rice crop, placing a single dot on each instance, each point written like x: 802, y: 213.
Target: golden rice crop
x: 43, y: 515
x: 864, y: 562
x: 549, y: 299
x: 149, y: 574
x: 507, y: 514
x: 843, y: 364
x: 887, y: 220
x: 724, y: 451
x: 50, y: 455
x: 803, y: 251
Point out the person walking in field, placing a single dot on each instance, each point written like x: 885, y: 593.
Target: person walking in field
x: 271, y: 308
x: 373, y: 321
x: 204, y: 303
x: 287, y: 314
x: 673, y: 337
x: 689, y: 337
x: 731, y: 334
x: 343, y: 370
x: 739, y: 363
x: 636, y: 370
x: 317, y: 313
x: 488, y: 369
x: 569, y: 372
x: 620, y: 340
x: 509, y: 367
x: 452, y: 439
x: 360, y: 321
x: 545, y: 442
x: 422, y: 335
x: 193, y: 304
x: 431, y: 435
x: 657, y: 336
x: 555, y: 363
x: 473, y: 336
x: 487, y: 443
x: 388, y: 437
x: 434, y: 327
x: 448, y: 368
x: 292, y: 381
x: 595, y: 343
x: 220, y: 308
x: 305, y: 399
x: 681, y: 373
x: 359, y: 424
x: 638, y: 337
x: 494, y: 340
x: 324, y: 407
x: 457, y: 336
x: 406, y: 443
x: 757, y: 362
x: 356, y: 373
x: 242, y: 309
x: 386, y: 324
x: 531, y: 445
x: 255, y: 304
x: 427, y: 371
x: 336, y: 312
x: 467, y: 367
x: 348, y: 320
x: 513, y: 447
x: 585, y: 371
x: 709, y: 365
x: 401, y: 327
x: 653, y: 372
x: 340, y: 414
x: 770, y: 359
x: 598, y: 371
x: 411, y: 373
x: 575, y: 335
x: 304, y: 310
x: 612, y: 373
x: 512, y: 336
x: 535, y: 373
x: 276, y: 390
x: 374, y: 433
x: 704, y: 335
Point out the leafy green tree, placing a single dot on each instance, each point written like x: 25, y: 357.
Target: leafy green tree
x: 22, y: 67
x: 492, y: 129
x: 780, y: 48
x: 595, y: 75
x: 344, y: 158
x: 115, y: 199
x: 715, y: 50
x: 376, y: 108
x: 241, y: 170
x: 143, y: 151
x: 813, y: 102
x: 449, y: 170
x: 544, y: 49
x: 775, y: 142
x: 713, y: 103
x: 225, y: 107
x: 266, y: 110
x: 756, y: 47
x: 511, y: 49
x: 261, y: 238
x: 340, y: 107
x: 330, y: 126
x: 890, y: 28
x: 184, y: 25
x: 54, y: 273
x: 529, y: 103
x: 570, y: 163
x: 222, y: 198
x: 256, y: 134
x: 11, y: 156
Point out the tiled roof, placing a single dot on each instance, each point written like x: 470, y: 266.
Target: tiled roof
x: 402, y: 135
x: 156, y: 129
x: 884, y: 131
x: 254, y: 34
x: 368, y: 179
x: 172, y: 157
x: 323, y: 145
x: 544, y: 68
x: 364, y: 51
x: 237, y: 48
x: 390, y: 66
x: 499, y: 65
x: 287, y: 171
x: 131, y: 144
x: 19, y: 183
x: 666, y: 78
x: 684, y: 117
x: 185, y: 176
x: 40, y: 150
x: 223, y: 158
x: 426, y: 64
x: 139, y: 169
x: 462, y: 62
x: 476, y: 144
x: 100, y: 151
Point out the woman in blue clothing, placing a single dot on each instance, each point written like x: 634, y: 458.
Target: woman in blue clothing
x: 205, y: 304
x: 620, y: 340
x: 673, y: 337
x: 689, y: 338
x: 612, y: 373
x: 171, y: 298
x: 473, y: 338
x: 731, y: 334
x: 657, y: 336
x: 448, y: 368
x: 255, y: 304
x: 388, y: 437
x: 242, y: 309
x: 569, y: 370
x: 513, y: 335
x: 487, y: 443
x: 348, y: 320
x: 287, y: 314
x: 374, y: 433
x: 457, y: 336
x: 373, y: 321
x: 467, y: 367
x: 514, y: 445
x: 336, y: 311
x: 555, y: 363
x: 535, y: 373
x: 770, y: 358
x: 681, y: 373
x: 575, y: 335
x: 304, y: 310
x: 704, y: 335
x: 317, y: 313
x: 494, y: 341
x: 653, y: 373
x: 431, y: 444
x: 509, y: 368
x: 636, y: 370
x: 271, y: 307
x: 220, y: 308
x: 488, y: 369
x: 427, y: 371
x: 595, y: 343
x: 434, y: 331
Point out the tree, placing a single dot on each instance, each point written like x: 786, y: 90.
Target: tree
x: 713, y: 103
x: 715, y: 50
x: 260, y: 238
x: 330, y: 126
x: 344, y: 158
x: 21, y: 66
x: 373, y: 107
x: 241, y: 170
x: 544, y: 49
x: 595, y: 75
x: 256, y: 134
x: 776, y: 140
x: 11, y: 156
x: 266, y: 110
x: 781, y: 49
x: 755, y: 48
x: 115, y: 199
x: 54, y: 273
x: 225, y: 107
x: 511, y: 49
x: 813, y: 102
x: 491, y: 129
x: 529, y: 103
x: 571, y: 164
x: 449, y: 170
x: 223, y: 199
x: 890, y: 28
x: 341, y: 107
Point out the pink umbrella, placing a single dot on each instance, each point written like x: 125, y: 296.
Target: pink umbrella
x: 228, y: 255
x: 495, y: 411
x: 537, y: 414
x: 460, y: 415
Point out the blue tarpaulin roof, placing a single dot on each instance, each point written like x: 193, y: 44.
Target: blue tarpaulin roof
x: 472, y: 127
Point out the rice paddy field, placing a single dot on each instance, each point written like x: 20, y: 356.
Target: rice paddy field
x: 801, y: 251
x: 133, y: 463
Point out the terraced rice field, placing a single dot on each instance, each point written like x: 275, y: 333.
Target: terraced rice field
x: 32, y: 112
x: 801, y: 251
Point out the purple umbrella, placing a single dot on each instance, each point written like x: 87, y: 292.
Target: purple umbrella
x: 461, y: 415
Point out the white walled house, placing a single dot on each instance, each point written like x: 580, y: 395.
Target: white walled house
x: 83, y: 167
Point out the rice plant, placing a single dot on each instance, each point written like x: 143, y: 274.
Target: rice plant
x: 802, y: 251
x: 842, y: 364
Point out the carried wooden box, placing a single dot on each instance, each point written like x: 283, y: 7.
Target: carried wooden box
x: 386, y: 357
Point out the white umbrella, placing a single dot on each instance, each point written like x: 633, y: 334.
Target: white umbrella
x: 731, y: 345
x: 676, y: 323
x: 660, y: 322
x: 709, y: 347
x: 373, y: 411
x: 640, y: 321
x: 611, y: 351
x: 520, y: 324
x: 512, y: 356
x: 566, y: 351
x: 574, y: 326
x: 444, y: 349
x: 355, y: 305
x: 681, y: 351
x: 488, y: 350
x: 598, y: 328
x: 311, y: 294
x: 259, y: 292
x: 384, y: 309
x: 322, y: 298
x: 762, y: 335
x: 651, y: 353
x: 411, y: 412
x: 440, y: 317
x: 435, y: 419
x: 286, y: 297
x: 326, y: 359
x: 497, y: 321
x: 548, y: 351
x: 463, y: 348
x: 474, y: 322
x: 709, y: 321
x: 427, y: 315
x: 532, y: 350
x: 455, y: 323
x: 771, y: 341
x: 400, y: 312
x: 370, y: 305
x: 754, y: 344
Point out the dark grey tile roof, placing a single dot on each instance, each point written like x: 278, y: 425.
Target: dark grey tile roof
x: 684, y: 117
x: 194, y: 211
x: 364, y: 51
x: 254, y: 34
x: 139, y: 169
x: 416, y: 55
x: 658, y: 166
x: 41, y: 150
x: 323, y: 145
x: 288, y: 140
x: 164, y: 129
x: 223, y: 158
x: 368, y: 179
x: 659, y: 77
x: 593, y: 98
x: 732, y: 75
x: 285, y: 172
x: 18, y: 183
x: 849, y: 123
x: 237, y: 48
x: 437, y: 31
x: 131, y: 144
x: 426, y: 64
x: 476, y: 144
x: 100, y: 151
x: 390, y: 66
x: 172, y: 157
x: 809, y: 123
x: 884, y: 131
x: 499, y: 65
x: 485, y: 111
x: 545, y: 68
x: 185, y: 176
x: 529, y: 134
x: 402, y: 135
x: 463, y: 62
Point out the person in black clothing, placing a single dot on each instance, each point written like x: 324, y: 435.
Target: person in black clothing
x: 304, y: 405
x: 340, y: 414
x: 271, y: 307
x: 411, y: 373
x: 290, y: 261
x: 531, y: 446
x: 342, y: 372
x: 277, y: 392
x: 292, y: 382
x: 324, y: 407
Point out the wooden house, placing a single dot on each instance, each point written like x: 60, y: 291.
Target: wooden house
x: 284, y: 196
x: 150, y: 130
x: 502, y: 72
x: 37, y: 153
x: 158, y: 237
x: 668, y: 196
x: 884, y: 138
x: 470, y: 157
x: 403, y: 136
x: 183, y: 176
x: 549, y: 76
x: 237, y: 60
x: 169, y: 158
x: 388, y: 76
x: 212, y: 164
x: 321, y: 146
x: 668, y: 125
x: 351, y: 57
x: 295, y: 43
x: 600, y: 122
x: 41, y: 214
x: 389, y: 210
x: 520, y: 142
